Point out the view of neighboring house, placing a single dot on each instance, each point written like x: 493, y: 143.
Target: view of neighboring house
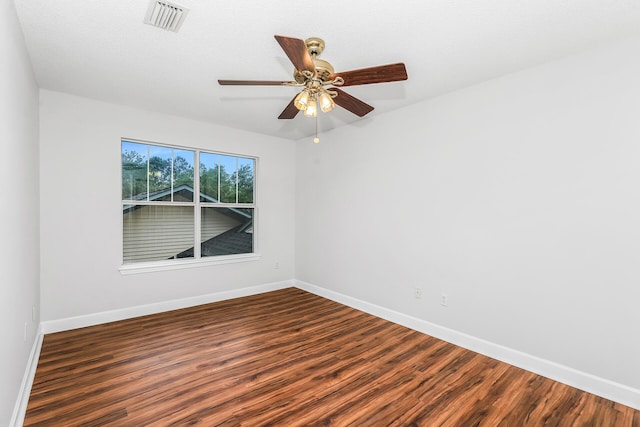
x: 225, y: 231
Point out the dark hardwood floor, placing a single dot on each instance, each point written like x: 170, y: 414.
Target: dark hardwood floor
x: 290, y: 358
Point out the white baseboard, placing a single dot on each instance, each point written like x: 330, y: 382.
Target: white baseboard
x: 20, y: 408
x: 581, y: 380
x: 59, y: 325
x: 590, y: 383
x: 92, y: 319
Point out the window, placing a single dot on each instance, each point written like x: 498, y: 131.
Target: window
x: 162, y: 219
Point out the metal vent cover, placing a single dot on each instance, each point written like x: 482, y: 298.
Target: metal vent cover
x: 165, y: 15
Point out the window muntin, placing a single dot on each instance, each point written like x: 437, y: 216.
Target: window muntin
x: 162, y: 219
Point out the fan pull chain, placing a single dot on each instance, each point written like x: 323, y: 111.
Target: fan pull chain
x: 316, y: 140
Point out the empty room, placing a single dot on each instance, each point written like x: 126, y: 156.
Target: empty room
x: 343, y: 213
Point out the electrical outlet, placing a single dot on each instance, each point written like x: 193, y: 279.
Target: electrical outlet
x: 444, y: 301
x: 417, y: 292
x: 276, y: 265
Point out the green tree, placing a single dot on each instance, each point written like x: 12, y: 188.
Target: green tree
x: 159, y: 173
x: 245, y: 184
x: 182, y: 172
x: 227, y: 186
x: 134, y: 174
x: 209, y: 181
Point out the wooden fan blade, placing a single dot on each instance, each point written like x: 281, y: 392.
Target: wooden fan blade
x: 351, y: 103
x: 290, y: 110
x: 297, y: 52
x: 380, y: 74
x: 254, y: 83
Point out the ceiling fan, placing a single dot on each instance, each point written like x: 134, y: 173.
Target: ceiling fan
x: 321, y: 83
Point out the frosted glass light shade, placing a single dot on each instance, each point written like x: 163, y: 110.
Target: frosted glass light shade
x: 312, y: 108
x: 302, y: 100
x: 326, y: 102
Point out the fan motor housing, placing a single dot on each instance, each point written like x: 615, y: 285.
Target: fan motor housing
x: 315, y: 46
x: 323, y: 69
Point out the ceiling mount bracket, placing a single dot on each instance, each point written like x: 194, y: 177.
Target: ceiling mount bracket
x: 315, y: 46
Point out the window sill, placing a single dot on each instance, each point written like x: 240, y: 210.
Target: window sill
x: 150, y: 267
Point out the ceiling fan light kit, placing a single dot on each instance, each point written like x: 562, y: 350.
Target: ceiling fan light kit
x: 315, y: 75
x: 308, y: 100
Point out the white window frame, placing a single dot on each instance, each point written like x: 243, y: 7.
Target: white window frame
x: 197, y: 260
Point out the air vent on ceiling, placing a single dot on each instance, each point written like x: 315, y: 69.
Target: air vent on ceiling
x: 165, y: 15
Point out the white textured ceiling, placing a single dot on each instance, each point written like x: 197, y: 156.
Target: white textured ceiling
x: 101, y: 49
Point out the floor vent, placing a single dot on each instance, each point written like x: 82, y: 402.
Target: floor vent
x: 165, y: 15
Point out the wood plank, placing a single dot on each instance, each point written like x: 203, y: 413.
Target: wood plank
x: 289, y: 358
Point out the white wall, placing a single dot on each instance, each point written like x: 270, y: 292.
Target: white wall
x: 519, y: 198
x: 19, y: 250
x: 81, y: 212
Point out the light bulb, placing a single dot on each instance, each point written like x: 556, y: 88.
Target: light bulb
x: 326, y: 102
x: 312, y: 108
x: 316, y: 140
x: 302, y: 100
